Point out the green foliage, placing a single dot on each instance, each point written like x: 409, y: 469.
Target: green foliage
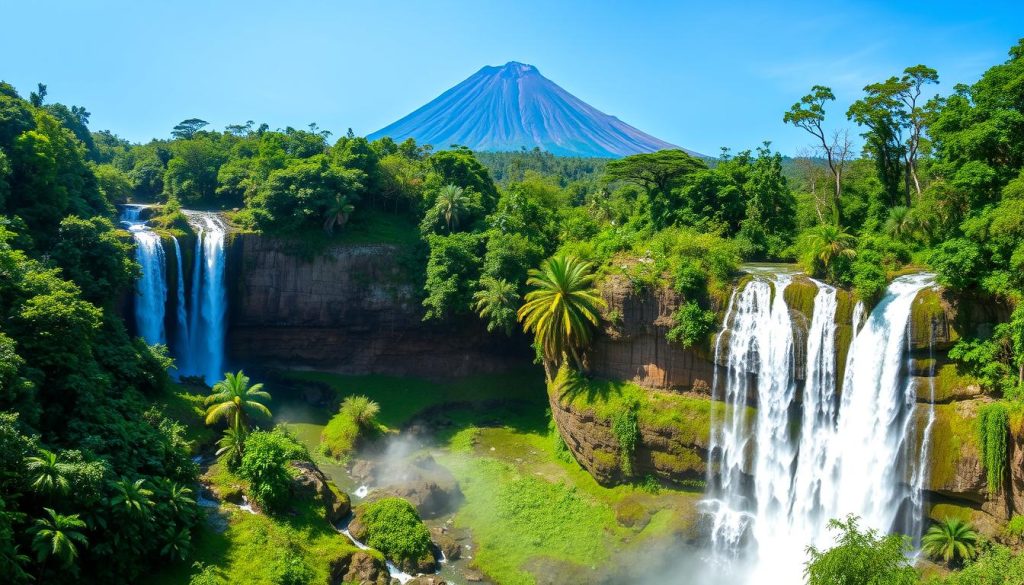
x: 993, y: 432
x: 496, y: 302
x: 562, y: 309
x: 453, y: 265
x: 357, y: 416
x: 827, y: 249
x: 265, y: 466
x: 996, y: 565
x: 234, y: 400
x: 626, y: 427
x: 862, y: 557
x: 394, y: 528
x: 1015, y: 527
x: 952, y: 540
x: 691, y: 324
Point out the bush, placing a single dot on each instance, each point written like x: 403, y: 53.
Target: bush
x: 626, y: 426
x: 692, y: 324
x: 357, y: 415
x: 265, y: 466
x: 861, y: 557
x: 392, y: 526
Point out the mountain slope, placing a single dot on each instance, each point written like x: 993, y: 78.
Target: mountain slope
x: 514, y: 106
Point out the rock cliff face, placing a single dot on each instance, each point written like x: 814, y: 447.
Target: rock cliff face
x: 634, y: 346
x: 351, y: 309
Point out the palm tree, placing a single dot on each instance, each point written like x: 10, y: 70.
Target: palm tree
x: 179, y: 544
x: 48, y: 474
x: 174, y: 495
x: 562, y: 309
x: 338, y: 213
x: 496, y: 301
x: 362, y: 410
x: 952, y: 540
x: 232, y: 444
x: 452, y: 203
x: 132, y: 498
x: 900, y: 224
x: 57, y: 536
x: 826, y: 243
x: 233, y: 399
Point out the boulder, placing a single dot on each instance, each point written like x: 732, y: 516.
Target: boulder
x: 427, y: 580
x: 312, y: 484
x: 448, y: 546
x: 426, y: 484
x: 360, y: 568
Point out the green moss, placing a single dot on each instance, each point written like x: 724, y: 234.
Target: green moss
x: 629, y: 512
x: 799, y: 296
x: 950, y: 383
x: 953, y: 437
x: 339, y: 436
x: 686, y: 461
x: 928, y: 311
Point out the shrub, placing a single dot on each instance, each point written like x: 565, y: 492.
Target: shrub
x: 356, y: 415
x: 392, y: 526
x: 265, y: 466
x: 993, y: 427
x: 1015, y: 527
x: 692, y: 324
x: 626, y: 426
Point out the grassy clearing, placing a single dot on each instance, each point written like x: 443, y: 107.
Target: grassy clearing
x: 401, y: 399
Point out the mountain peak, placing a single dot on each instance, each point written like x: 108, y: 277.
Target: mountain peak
x: 513, y: 106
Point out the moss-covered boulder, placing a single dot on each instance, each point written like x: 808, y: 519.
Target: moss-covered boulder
x: 392, y: 526
x: 946, y: 385
x: 360, y: 567
x: 954, y: 458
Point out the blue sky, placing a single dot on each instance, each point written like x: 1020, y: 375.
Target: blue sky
x: 699, y: 75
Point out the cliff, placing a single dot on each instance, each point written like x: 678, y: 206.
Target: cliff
x: 351, y: 309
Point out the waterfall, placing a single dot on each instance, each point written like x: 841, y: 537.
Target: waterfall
x: 803, y: 462
x: 151, y: 287
x: 206, y: 325
x: 181, y: 337
x: 200, y: 316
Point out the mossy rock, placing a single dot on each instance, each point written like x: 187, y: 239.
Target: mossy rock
x: 629, y: 512
x: 977, y: 518
x: 930, y: 322
x: 953, y: 452
x: 845, y: 303
x: 949, y: 383
x: 392, y: 526
x: 799, y: 296
x: 683, y: 462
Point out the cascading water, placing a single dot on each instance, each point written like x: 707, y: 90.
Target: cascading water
x: 181, y: 326
x: 151, y: 288
x: 206, y: 327
x: 199, y: 325
x: 783, y: 477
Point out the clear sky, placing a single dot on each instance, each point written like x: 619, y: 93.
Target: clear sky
x: 700, y: 75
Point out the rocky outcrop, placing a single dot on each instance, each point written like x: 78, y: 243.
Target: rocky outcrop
x: 674, y: 451
x: 634, y: 346
x: 349, y: 309
x: 310, y: 483
x: 360, y: 568
x: 424, y: 483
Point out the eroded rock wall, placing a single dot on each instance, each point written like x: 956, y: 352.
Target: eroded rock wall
x: 351, y: 309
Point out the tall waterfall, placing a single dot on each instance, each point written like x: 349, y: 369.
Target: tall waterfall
x: 802, y: 460
x: 206, y: 327
x: 199, y: 325
x: 151, y: 288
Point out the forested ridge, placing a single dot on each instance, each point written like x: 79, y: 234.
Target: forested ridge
x: 96, y: 483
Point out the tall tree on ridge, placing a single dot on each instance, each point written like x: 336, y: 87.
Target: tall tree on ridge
x: 809, y: 114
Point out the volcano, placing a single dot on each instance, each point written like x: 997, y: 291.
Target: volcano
x: 513, y: 107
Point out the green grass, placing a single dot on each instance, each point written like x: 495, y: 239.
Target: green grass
x: 254, y: 548
x: 339, y: 436
x: 401, y: 399
x: 185, y: 405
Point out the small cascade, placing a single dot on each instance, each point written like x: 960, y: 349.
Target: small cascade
x: 151, y: 288
x: 811, y: 454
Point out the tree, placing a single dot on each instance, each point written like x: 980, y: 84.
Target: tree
x: 338, y: 213
x: 264, y: 465
x: 452, y: 205
x: 131, y: 498
x: 657, y: 173
x: 562, y: 309
x: 235, y: 400
x: 861, y: 558
x: 952, y: 540
x: 496, y: 302
x: 59, y: 536
x: 809, y: 114
x: 452, y: 268
x: 186, y: 129
x: 231, y: 444
x: 826, y: 243
x: 48, y: 474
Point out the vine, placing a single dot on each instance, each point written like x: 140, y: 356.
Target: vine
x: 993, y: 427
x: 626, y: 426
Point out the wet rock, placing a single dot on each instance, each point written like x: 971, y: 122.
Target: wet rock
x: 426, y: 484
x: 448, y: 546
x: 427, y: 580
x: 360, y: 568
x: 473, y: 576
x: 312, y: 484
